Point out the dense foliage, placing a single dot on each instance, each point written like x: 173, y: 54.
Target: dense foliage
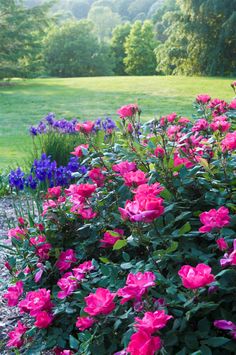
x: 139, y: 254
x: 200, y: 38
x: 74, y: 50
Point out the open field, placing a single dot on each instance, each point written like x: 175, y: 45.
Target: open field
x: 28, y: 101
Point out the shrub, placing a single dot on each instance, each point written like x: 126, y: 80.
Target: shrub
x: 138, y: 255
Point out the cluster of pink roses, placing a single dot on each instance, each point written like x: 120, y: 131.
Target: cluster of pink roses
x: 111, y: 237
x: 38, y: 304
x: 146, y: 206
x: 80, y: 197
x: 143, y: 342
x: 214, y: 219
x: 70, y: 281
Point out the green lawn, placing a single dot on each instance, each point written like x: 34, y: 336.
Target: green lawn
x: 27, y: 101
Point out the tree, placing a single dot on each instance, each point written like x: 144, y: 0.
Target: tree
x: 201, y: 39
x: 119, y: 35
x: 139, y: 48
x: 79, y: 8
x: 104, y: 21
x: 21, y: 32
x: 74, y: 50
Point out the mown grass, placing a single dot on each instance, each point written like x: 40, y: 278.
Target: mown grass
x: 27, y: 101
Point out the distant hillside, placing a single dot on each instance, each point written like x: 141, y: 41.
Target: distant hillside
x: 127, y: 10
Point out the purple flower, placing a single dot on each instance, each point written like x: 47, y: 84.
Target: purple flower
x: 16, y: 179
x: 50, y: 118
x: 226, y: 325
x: 33, y: 131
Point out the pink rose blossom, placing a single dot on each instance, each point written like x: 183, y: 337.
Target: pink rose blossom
x: 65, y: 260
x: 85, y: 127
x: 200, y: 125
x: 152, y: 322
x: 144, y: 190
x: 232, y: 105
x: 127, y: 111
x: 182, y: 161
x: 97, y: 176
x: 226, y: 325
x: 111, y: 237
x: 21, y: 221
x: 142, y: 343
x: 13, y: 294
x: 136, y: 286
x: 229, y: 142
x: 100, y: 302
x: 171, y: 117
x: 42, y: 248
x: 36, y: 301
x: 84, y: 323
x: 54, y: 192
x: 49, y: 204
x: 214, y: 219
x: 59, y: 351
x: 220, y: 123
x: 124, y: 167
x: 203, y: 99
x: 85, y: 267
x: 159, y: 152
x: 68, y: 284
x: 195, y: 277
x: 17, y: 233
x: 229, y: 258
x: 15, y: 336
x: 82, y: 190
x: 43, y: 320
x: 78, y: 152
x: 135, y: 178
x: 142, y: 210
x: 222, y: 244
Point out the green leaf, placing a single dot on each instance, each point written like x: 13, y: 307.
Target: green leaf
x: 214, y: 342
x: 185, y: 229
x: 104, y: 260
x: 119, y: 244
x: 74, y: 343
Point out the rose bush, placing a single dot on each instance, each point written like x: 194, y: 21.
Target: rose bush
x: 138, y: 256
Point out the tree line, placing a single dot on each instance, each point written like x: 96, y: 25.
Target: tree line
x: 190, y: 37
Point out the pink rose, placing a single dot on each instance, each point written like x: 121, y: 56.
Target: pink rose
x: 232, y: 105
x: 83, y: 190
x: 200, y: 125
x: 43, y: 320
x: 142, y: 210
x: 13, y: 294
x: 142, y: 343
x: 222, y: 244
x: 124, y: 167
x: 36, y: 301
x: 97, y: 176
x: 17, y: 233
x: 42, y: 248
x: 85, y: 127
x: 220, y: 123
x: 171, y: 117
x: 84, y: 267
x: 59, y: 351
x: 152, y: 322
x: 214, y: 219
x: 182, y: 161
x: 229, y: 258
x: 130, y: 128
x: 111, y: 237
x: 195, y: 277
x: 159, y: 152
x: 135, y: 178
x: 203, y: 99
x: 136, y: 286
x: 78, y: 152
x: 15, y: 336
x: 143, y: 191
x: 68, y: 284
x: 127, y: 111
x: 54, y: 192
x: 65, y: 260
x: 84, y: 323
x: 229, y: 142
x: 100, y: 302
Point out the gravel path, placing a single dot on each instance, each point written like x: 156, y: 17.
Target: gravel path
x: 8, y: 316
